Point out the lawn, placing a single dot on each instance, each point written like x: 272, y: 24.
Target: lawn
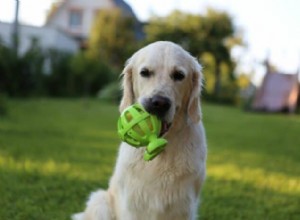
x: 54, y: 152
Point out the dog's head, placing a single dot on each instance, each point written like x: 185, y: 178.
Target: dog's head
x: 166, y: 80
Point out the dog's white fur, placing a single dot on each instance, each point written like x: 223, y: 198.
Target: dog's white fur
x: 168, y: 186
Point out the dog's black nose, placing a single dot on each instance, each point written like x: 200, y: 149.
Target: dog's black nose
x: 157, y: 105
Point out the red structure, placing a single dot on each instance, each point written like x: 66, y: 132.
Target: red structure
x: 278, y: 92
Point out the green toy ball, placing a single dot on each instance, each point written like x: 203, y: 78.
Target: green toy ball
x: 139, y: 128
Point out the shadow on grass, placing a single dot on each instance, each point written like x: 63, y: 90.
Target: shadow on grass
x: 227, y: 199
x: 36, y: 196
x: 87, y: 148
x: 250, y: 140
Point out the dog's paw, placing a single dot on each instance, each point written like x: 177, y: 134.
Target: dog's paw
x: 78, y: 216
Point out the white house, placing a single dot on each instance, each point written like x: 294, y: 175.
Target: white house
x: 76, y: 16
x: 47, y: 37
x: 67, y: 25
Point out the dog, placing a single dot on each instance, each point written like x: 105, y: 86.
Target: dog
x: 167, y: 81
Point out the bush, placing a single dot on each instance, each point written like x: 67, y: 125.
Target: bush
x: 59, y: 79
x: 51, y: 72
x: 90, y: 75
x: 9, y: 80
x: 3, y: 105
x: 111, y: 93
x: 21, y: 75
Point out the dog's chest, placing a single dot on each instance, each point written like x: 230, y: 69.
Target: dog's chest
x: 159, y: 197
x: 161, y: 187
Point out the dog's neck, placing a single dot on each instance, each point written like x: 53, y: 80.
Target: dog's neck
x: 181, y: 123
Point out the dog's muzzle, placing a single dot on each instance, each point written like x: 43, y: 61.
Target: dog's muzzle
x: 157, y: 105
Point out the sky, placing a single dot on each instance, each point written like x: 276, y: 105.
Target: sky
x: 269, y: 27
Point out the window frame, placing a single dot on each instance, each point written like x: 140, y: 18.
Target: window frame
x: 75, y: 18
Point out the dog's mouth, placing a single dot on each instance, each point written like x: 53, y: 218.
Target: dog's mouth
x: 164, y: 128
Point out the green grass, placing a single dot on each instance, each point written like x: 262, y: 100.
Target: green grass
x: 53, y: 153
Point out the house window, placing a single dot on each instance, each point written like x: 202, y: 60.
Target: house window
x: 75, y: 18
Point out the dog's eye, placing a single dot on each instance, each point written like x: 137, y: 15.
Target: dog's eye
x: 145, y: 73
x: 177, y: 75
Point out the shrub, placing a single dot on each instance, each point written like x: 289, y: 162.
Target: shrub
x: 51, y: 72
x: 21, y: 75
x: 59, y: 81
x: 3, y: 105
x: 90, y: 75
x: 111, y: 93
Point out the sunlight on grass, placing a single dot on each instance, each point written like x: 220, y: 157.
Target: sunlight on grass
x: 47, y: 168
x: 51, y: 167
x: 258, y: 178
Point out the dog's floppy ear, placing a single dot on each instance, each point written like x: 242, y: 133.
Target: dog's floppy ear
x: 194, y: 109
x: 128, y: 95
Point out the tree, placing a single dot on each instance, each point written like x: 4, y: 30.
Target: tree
x: 112, y: 37
x: 33, y: 68
x: 90, y: 75
x: 21, y: 75
x: 212, y: 33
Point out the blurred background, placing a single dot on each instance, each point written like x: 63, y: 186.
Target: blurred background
x: 60, y: 65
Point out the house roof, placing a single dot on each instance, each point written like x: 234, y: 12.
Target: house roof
x: 125, y: 7
x: 56, y: 6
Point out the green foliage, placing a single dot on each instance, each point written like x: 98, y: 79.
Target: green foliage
x: 9, y: 71
x: 61, y: 150
x: 197, y: 33
x: 21, y: 75
x: 208, y: 62
x: 60, y: 78
x: 92, y: 75
x: 112, y: 37
x: 5, y: 56
x: 32, y: 64
x: 111, y: 93
x: 51, y: 72
x: 229, y: 87
x: 76, y: 75
x: 3, y: 105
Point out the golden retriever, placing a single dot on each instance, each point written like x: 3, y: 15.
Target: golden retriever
x: 166, y: 80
